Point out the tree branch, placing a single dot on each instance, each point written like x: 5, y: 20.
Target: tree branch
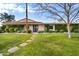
x: 74, y: 16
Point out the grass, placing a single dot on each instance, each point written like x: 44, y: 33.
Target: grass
x: 51, y: 45
x: 10, y: 40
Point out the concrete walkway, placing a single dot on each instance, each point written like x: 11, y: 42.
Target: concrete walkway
x: 23, y: 44
x: 13, y: 49
x: 1, y: 54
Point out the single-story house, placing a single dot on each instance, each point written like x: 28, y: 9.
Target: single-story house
x: 36, y: 26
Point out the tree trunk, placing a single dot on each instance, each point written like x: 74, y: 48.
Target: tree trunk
x: 27, y: 18
x: 68, y: 29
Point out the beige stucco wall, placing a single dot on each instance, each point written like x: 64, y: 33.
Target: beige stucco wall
x: 31, y: 28
x: 41, y: 28
x: 25, y: 27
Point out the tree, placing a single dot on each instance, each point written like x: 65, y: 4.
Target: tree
x: 5, y: 17
x: 66, y: 12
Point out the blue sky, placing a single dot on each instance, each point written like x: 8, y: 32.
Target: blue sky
x: 38, y: 16
x: 15, y: 9
x: 18, y: 9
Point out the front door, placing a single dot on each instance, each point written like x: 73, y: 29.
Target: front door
x: 35, y: 28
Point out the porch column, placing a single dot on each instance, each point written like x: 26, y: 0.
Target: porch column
x: 24, y: 27
x: 53, y: 27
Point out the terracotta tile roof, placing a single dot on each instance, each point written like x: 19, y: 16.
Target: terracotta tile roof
x: 60, y: 23
x: 23, y: 21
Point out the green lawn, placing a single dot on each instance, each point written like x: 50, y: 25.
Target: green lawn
x: 42, y: 45
x: 51, y: 45
x: 10, y: 40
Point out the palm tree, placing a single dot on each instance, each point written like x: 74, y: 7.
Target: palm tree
x: 5, y: 17
x: 27, y: 18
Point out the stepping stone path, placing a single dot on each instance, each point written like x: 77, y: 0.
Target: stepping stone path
x: 1, y: 54
x: 29, y: 40
x: 13, y: 49
x: 23, y: 44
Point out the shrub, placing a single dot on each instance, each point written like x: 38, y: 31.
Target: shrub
x: 56, y: 30
x: 6, y: 30
x: 61, y: 30
x: 11, y: 29
x: 29, y: 31
x: 24, y: 31
x: 0, y: 30
x: 40, y: 31
x: 53, y: 31
x: 50, y: 31
x: 15, y: 29
x: 75, y: 30
x: 46, y: 30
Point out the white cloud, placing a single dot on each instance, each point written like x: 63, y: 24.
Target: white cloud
x: 30, y: 9
x: 6, y: 7
x: 3, y: 10
x: 20, y: 9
